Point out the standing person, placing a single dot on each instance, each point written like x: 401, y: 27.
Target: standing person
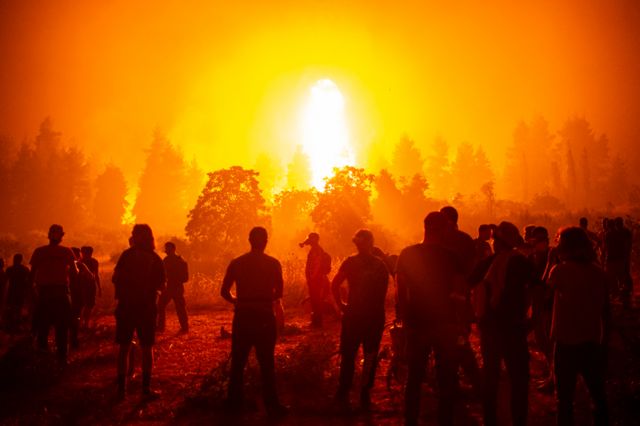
x: 3, y: 282
x: 426, y: 275
x: 258, y: 280
x: 580, y: 325
x: 616, y: 258
x: 626, y: 281
x: 83, y: 280
x: 363, y: 320
x: 91, y: 286
x: 502, y: 313
x: 482, y: 246
x: 138, y: 277
x: 18, y: 278
x: 593, y: 237
x: 464, y: 248
x: 53, y: 268
x: 316, y: 271
x: 177, y: 274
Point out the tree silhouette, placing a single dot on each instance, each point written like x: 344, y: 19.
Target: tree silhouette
x: 406, y: 160
x: 290, y: 215
x: 110, y: 202
x: 343, y: 207
x: 437, y: 169
x: 230, y: 204
x: 299, y: 170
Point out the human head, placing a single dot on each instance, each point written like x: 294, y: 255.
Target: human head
x: 17, y: 259
x: 506, y: 237
x: 451, y: 214
x: 142, y: 237
x: 313, y: 239
x: 363, y: 239
x: 575, y: 246
x: 540, y: 238
x: 436, y: 225
x: 76, y: 252
x: 584, y: 223
x: 484, y: 232
x: 258, y: 238
x: 86, y: 252
x: 528, y: 231
x: 169, y: 247
x: 55, y: 234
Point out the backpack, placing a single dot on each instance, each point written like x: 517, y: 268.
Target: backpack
x: 325, y: 263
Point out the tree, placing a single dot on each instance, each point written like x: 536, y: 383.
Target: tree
x: 230, y: 204
x: 462, y: 169
x: 290, y: 215
x: 110, y: 202
x: 161, y: 200
x: 343, y: 207
x: 437, y: 169
x: 406, y: 160
x: 299, y: 170
x: 269, y: 174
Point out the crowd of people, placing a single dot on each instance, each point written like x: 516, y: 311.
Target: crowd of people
x: 509, y: 284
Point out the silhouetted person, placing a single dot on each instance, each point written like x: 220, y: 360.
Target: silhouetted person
x: 617, y: 249
x: 593, y: 237
x: 501, y: 299
x: 78, y: 287
x: 52, y: 270
x: 482, y: 246
x: 317, y: 268
x: 138, y: 278
x: 464, y: 247
x: 426, y: 275
x: 580, y: 324
x: 258, y: 280
x: 177, y: 274
x: 17, y: 291
x: 541, y: 301
x: 626, y: 282
x: 363, y: 320
x: 91, y: 287
x: 3, y: 282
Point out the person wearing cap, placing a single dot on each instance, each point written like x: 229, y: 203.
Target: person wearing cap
x: 501, y: 302
x: 363, y: 320
x: 316, y: 272
x: 177, y: 274
x: 259, y: 284
x: 138, y: 277
x: 52, y: 270
x: 426, y: 277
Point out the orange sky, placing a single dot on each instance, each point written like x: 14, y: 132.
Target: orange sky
x: 227, y: 80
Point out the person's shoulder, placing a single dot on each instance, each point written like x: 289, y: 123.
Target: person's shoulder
x: 412, y: 249
x: 272, y: 260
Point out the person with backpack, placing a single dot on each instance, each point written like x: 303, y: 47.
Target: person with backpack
x: 316, y: 271
x: 363, y: 320
x: 177, y: 274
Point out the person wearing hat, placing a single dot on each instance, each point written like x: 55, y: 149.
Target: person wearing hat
x: 52, y: 270
x: 501, y: 308
x: 363, y: 320
x: 316, y: 270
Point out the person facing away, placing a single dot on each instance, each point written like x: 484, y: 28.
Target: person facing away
x: 593, y: 237
x: 501, y: 307
x: 425, y: 276
x: 18, y: 279
x: 177, y: 274
x: 53, y: 268
x: 316, y: 270
x: 616, y: 249
x: 626, y: 238
x: 92, y: 287
x: 482, y: 246
x: 363, y: 320
x: 580, y: 326
x: 138, y: 277
x: 3, y: 282
x: 259, y: 284
x: 79, y: 285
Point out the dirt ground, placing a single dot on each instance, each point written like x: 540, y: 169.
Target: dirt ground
x: 191, y: 370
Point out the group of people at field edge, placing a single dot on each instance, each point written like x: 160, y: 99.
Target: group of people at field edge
x: 510, y: 285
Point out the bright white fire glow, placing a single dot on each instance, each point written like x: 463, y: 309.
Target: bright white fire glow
x: 325, y: 137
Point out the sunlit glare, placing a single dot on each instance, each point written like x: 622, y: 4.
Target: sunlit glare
x: 325, y: 136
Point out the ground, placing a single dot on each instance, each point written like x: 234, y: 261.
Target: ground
x: 190, y: 373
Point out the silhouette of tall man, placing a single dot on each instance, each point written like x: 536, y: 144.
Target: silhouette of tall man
x: 177, y: 274
x: 52, y: 269
x: 258, y: 280
x: 363, y: 321
x: 18, y: 278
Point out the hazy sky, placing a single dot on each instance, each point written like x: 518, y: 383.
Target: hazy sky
x: 227, y: 80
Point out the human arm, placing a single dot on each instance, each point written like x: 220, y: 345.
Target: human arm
x: 227, y: 283
x: 279, y: 284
